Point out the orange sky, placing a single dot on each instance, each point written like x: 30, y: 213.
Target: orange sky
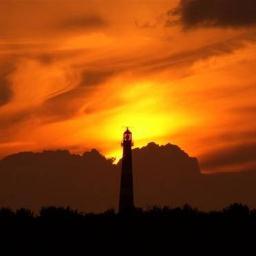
x: 74, y: 74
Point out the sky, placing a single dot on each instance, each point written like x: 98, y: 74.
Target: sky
x: 74, y: 74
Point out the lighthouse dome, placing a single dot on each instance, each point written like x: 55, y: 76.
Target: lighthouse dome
x: 127, y: 131
x: 127, y: 135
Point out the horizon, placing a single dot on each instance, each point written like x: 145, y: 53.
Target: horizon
x: 109, y: 157
x: 116, y: 161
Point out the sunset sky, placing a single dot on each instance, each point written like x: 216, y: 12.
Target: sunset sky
x: 75, y: 73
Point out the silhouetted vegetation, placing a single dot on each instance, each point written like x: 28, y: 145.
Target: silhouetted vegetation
x: 165, y: 226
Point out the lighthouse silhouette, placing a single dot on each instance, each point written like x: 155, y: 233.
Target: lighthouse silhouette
x: 126, y: 199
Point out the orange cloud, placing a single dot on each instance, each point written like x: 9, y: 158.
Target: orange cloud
x: 82, y: 71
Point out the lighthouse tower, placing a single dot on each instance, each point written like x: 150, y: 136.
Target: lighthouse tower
x: 126, y: 200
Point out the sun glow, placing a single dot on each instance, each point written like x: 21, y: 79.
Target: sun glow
x: 145, y: 112
x: 141, y: 105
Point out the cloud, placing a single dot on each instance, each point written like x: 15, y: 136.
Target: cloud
x: 163, y: 175
x: 96, y: 77
x: 215, y: 13
x: 5, y: 86
x: 56, y: 173
x: 246, y: 110
x: 188, y: 57
x: 68, y: 103
x: 5, y: 91
x: 83, y: 22
x: 239, y: 155
x: 62, y: 106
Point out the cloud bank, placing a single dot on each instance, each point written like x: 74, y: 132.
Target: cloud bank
x: 163, y: 176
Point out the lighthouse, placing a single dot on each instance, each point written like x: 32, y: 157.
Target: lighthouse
x: 126, y: 198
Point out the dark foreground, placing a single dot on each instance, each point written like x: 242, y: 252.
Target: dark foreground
x: 160, y: 230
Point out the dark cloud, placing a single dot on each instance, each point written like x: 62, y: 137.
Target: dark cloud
x: 62, y: 106
x: 50, y: 18
x: 11, y: 124
x: 250, y: 109
x: 5, y: 91
x: 215, y: 13
x: 21, y: 46
x: 241, y: 154
x: 96, y: 77
x: 5, y: 87
x: 163, y: 175
x: 89, y: 182
x: 66, y: 104
x: 83, y: 22
x: 234, y: 137
x: 188, y: 57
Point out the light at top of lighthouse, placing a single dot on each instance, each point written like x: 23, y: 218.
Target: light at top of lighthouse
x: 127, y: 137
